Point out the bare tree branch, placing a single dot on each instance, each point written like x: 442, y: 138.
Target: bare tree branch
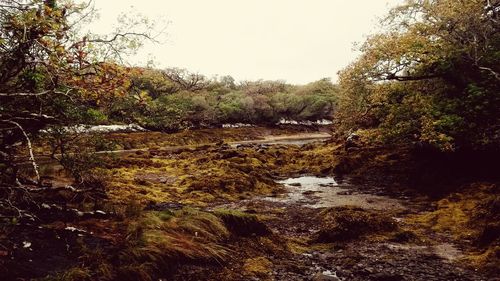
x: 494, y: 73
x: 116, y: 36
x: 30, y: 148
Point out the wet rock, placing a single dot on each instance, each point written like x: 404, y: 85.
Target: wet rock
x: 347, y: 223
x: 229, y: 154
x: 490, y: 233
x: 324, y: 277
x: 224, y: 146
x: 347, y: 192
x: 297, y: 184
x: 403, y: 237
x: 326, y: 171
x: 309, y: 192
x: 164, y: 206
x: 352, y: 142
x: 387, y: 276
x: 352, y: 149
x: 149, y: 178
x: 369, y: 269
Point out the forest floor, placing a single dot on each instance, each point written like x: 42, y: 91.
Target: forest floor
x: 256, y: 204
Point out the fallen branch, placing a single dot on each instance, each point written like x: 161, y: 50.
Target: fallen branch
x: 24, y: 94
x: 494, y: 73
x: 51, y: 189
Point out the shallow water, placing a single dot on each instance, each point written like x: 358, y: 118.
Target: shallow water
x: 284, y: 141
x: 446, y: 251
x: 296, y: 141
x: 324, y: 192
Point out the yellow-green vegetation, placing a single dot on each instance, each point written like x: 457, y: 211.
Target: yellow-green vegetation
x: 157, y: 242
x: 301, y: 245
x: 439, y: 72
x: 73, y: 274
x: 462, y: 213
x: 471, y: 214
x: 203, y: 174
x: 191, y: 177
x: 347, y: 223
x: 184, y: 234
x: 242, y: 224
x: 259, y: 266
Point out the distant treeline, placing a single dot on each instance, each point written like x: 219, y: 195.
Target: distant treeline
x: 174, y: 99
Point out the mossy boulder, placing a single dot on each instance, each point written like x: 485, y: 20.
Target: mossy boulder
x: 260, y: 267
x: 347, y: 223
x: 242, y: 224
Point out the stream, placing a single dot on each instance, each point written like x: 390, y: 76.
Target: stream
x: 305, y: 196
x: 322, y: 192
x: 298, y: 139
x: 325, y: 192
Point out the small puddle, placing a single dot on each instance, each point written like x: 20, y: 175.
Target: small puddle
x: 324, y: 192
x: 447, y: 251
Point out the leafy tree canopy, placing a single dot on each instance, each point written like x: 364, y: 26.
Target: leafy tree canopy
x: 433, y: 77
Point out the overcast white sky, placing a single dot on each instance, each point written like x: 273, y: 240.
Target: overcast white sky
x: 299, y: 41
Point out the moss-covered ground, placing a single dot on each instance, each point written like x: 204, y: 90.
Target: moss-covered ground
x: 189, y: 206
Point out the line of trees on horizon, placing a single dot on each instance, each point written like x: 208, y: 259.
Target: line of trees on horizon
x: 174, y: 99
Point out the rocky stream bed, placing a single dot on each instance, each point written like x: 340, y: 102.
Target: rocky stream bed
x: 293, y: 216
x: 251, y: 205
